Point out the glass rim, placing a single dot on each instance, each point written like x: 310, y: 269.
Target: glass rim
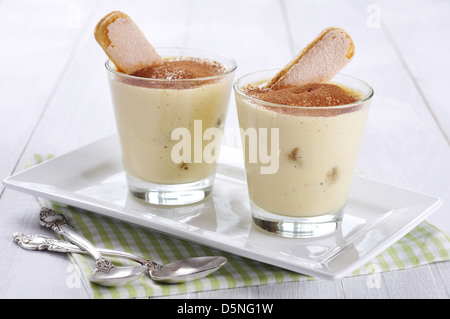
x: 205, y: 78
x: 343, y: 106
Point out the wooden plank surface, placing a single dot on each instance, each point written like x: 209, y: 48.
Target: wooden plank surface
x: 54, y: 98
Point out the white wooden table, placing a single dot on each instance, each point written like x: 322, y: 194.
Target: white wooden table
x: 54, y: 98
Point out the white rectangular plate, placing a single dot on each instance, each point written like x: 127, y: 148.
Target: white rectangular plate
x: 377, y: 215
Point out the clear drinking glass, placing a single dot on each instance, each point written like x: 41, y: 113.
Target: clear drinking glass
x: 170, y: 130
x: 300, y: 160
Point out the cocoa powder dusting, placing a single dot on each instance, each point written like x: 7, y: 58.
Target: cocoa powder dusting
x: 181, y: 69
x: 176, y: 69
x: 307, y: 95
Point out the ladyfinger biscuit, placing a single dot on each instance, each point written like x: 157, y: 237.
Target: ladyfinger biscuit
x: 319, y: 61
x: 125, y: 44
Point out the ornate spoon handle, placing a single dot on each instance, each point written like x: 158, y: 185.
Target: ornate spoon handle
x: 40, y: 242
x: 57, y: 222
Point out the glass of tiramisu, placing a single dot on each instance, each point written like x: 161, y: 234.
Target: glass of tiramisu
x: 170, y: 115
x: 301, y: 139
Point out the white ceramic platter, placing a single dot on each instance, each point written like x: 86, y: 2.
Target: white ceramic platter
x: 377, y: 214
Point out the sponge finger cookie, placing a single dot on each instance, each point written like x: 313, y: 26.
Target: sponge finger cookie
x: 125, y: 44
x: 319, y: 61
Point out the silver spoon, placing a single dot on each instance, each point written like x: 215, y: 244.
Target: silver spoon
x: 105, y: 273
x: 176, y: 272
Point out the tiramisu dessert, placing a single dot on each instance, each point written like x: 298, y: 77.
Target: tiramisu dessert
x: 154, y: 92
x: 320, y: 117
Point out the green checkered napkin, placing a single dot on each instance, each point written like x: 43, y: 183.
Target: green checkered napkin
x: 423, y: 245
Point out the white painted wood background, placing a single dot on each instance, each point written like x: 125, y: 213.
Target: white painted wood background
x: 54, y: 98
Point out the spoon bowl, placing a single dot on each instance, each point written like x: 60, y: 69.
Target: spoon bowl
x: 117, y: 276
x: 188, y: 269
